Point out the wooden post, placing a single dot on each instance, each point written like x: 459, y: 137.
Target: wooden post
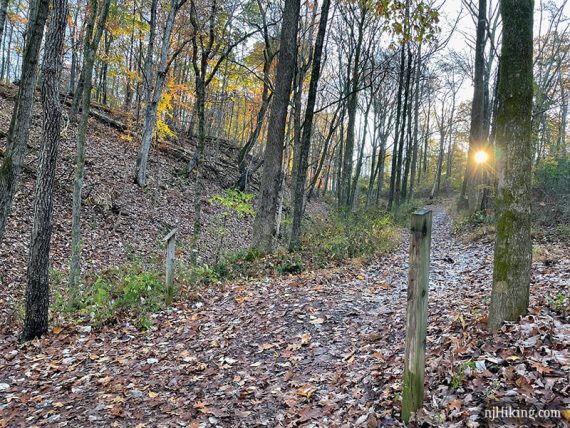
x: 170, y: 254
x: 416, y: 318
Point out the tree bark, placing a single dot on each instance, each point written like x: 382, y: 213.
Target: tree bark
x: 352, y: 105
x: 392, y: 190
x: 359, y: 161
x: 513, y: 243
x: 3, y: 10
x: 18, y: 133
x: 37, y: 292
x: 74, y: 52
x: 90, y: 51
x: 405, y: 112
x: 265, y: 226
x: 266, y: 94
x: 5, y: 72
x: 416, y: 122
x: 337, y: 118
x: 442, y: 134
x: 469, y: 193
x: 305, y: 145
x: 87, y: 40
x: 154, y: 94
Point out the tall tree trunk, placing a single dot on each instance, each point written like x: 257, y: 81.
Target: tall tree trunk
x: 488, y: 178
x: 18, y: 133
x: 442, y: 133
x: 398, y: 185
x: 200, y: 110
x: 426, y: 139
x: 338, y: 159
x: 74, y: 52
x: 90, y: 51
x: 305, y: 146
x: 3, y: 10
x: 416, y: 122
x: 354, y: 185
x: 374, y: 159
x: 409, y: 139
x: 337, y: 118
x: 265, y: 226
x: 266, y: 94
x: 381, y: 168
x: 469, y: 194
x: 513, y: 242
x: 147, y: 83
x: 80, y: 90
x: 129, y: 82
x: 5, y: 71
x: 105, y: 67
x: 295, y: 117
x: 352, y: 105
x: 449, y: 162
x: 392, y: 190
x: 154, y: 95
x: 37, y: 292
x: 451, y: 145
x: 561, y: 141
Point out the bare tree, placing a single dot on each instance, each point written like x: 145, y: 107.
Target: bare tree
x: 154, y: 85
x: 305, y: 145
x: 477, y: 139
x: 92, y: 38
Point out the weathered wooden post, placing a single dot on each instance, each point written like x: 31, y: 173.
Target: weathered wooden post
x: 170, y: 254
x: 416, y: 317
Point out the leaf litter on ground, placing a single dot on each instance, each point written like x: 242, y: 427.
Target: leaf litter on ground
x: 324, y: 348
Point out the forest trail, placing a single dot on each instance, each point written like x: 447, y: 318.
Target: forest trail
x: 323, y: 347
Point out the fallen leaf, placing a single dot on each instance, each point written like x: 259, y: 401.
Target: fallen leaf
x: 305, y: 338
x: 306, y: 391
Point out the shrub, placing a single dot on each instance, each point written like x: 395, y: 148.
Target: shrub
x: 552, y: 185
x: 245, y: 263
x: 348, y: 235
x: 188, y: 277
x: 291, y: 265
x: 563, y: 230
x: 553, y: 176
x: 232, y: 202
x: 402, y: 215
x: 124, y: 290
x: 560, y: 303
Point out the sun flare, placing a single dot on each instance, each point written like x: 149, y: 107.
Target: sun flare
x: 481, y: 156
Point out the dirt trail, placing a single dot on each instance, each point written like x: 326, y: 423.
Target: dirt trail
x: 318, y: 349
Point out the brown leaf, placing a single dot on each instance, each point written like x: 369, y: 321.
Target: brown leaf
x: 306, y: 391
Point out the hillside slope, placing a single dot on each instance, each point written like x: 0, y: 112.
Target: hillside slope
x: 120, y: 221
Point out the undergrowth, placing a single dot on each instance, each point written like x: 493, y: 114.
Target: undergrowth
x: 479, y: 226
x: 348, y: 235
x: 134, y: 291
x: 130, y: 291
